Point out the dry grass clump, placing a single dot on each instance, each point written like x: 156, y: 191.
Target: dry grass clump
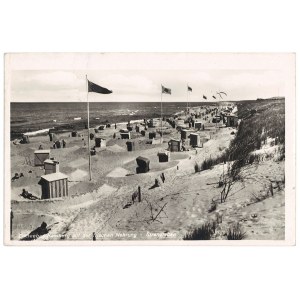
x: 204, y: 232
x: 235, y: 232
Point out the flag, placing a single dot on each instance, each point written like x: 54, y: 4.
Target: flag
x: 189, y: 89
x: 92, y: 87
x: 214, y: 97
x: 165, y: 90
x: 204, y: 97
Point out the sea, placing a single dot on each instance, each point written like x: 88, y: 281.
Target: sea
x: 34, y: 116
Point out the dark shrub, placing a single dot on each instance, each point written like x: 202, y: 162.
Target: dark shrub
x: 235, y: 233
x: 202, y: 233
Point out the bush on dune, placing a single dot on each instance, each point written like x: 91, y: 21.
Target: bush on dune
x: 203, y: 232
x: 235, y: 233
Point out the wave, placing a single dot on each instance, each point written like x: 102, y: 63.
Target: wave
x: 38, y: 132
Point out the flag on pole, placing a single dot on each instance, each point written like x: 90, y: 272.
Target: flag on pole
x: 214, y: 97
x: 189, y: 89
x: 92, y: 87
x: 204, y: 97
x: 165, y: 90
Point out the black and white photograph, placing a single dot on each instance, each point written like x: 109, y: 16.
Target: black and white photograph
x: 148, y: 147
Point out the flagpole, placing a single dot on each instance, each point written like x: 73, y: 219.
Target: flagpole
x: 161, y: 133
x: 187, y: 98
x: 88, y: 125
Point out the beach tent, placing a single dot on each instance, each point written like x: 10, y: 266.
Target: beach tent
x: 54, y: 185
x: 74, y: 133
x: 40, y: 156
x: 130, y: 146
x: 129, y: 128
x: 232, y: 121
x: 143, y: 165
x: 97, y: 142
x: 163, y: 156
x: 152, y: 135
x: 143, y: 132
x: 125, y: 135
x: 51, y: 166
x: 216, y: 119
x: 101, y: 127
x: 100, y: 142
x: 195, y: 140
x: 184, y: 134
x: 198, y: 125
x: 174, y: 145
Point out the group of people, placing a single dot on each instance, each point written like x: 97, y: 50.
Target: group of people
x: 17, y: 176
x: 57, y: 144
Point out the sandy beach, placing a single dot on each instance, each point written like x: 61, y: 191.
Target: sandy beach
x: 103, y: 205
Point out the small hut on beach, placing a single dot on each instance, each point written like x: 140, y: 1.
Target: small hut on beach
x: 51, y: 166
x: 125, y: 135
x: 143, y: 165
x: 152, y: 135
x: 232, y: 120
x: 175, y: 145
x: 184, y: 134
x: 195, y: 140
x: 40, y: 156
x: 54, y: 185
x: 198, y: 125
x: 163, y: 156
x: 100, y: 142
x: 130, y: 146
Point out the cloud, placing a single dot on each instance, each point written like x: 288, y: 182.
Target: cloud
x: 252, y: 79
x: 46, y: 81
x: 131, y: 84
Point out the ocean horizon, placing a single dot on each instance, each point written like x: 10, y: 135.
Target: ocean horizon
x: 33, y: 116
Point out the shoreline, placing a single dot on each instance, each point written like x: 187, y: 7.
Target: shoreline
x: 17, y: 133
x: 68, y: 119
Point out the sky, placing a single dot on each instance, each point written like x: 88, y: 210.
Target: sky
x: 145, y: 85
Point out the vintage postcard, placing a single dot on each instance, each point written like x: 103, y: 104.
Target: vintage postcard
x: 149, y: 149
